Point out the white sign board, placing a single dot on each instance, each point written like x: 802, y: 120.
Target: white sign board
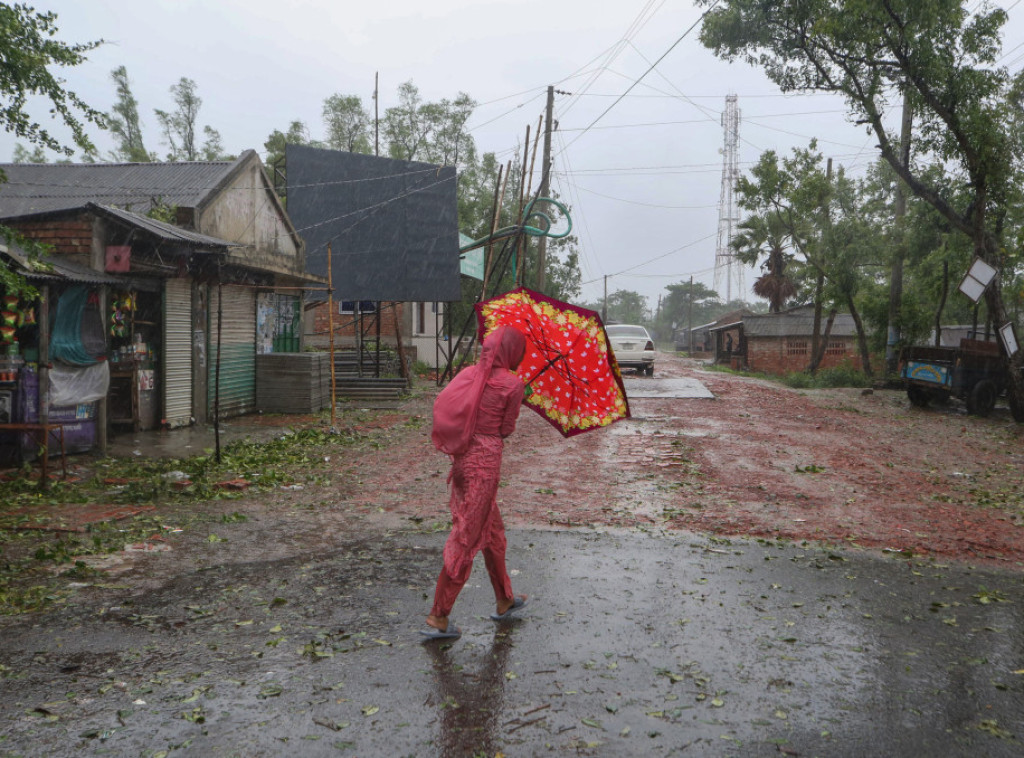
x: 983, y: 272
x: 1009, y: 338
x: 977, y: 279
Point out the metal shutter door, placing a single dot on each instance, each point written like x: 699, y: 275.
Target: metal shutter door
x: 177, y: 349
x: 238, y: 352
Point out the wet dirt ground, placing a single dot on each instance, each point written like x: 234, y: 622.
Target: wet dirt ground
x: 632, y: 644
x: 294, y: 632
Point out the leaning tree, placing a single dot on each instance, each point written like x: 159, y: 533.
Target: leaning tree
x: 939, y: 56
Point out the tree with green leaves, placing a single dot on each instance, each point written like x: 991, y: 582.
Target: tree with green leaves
x: 28, y: 49
x: 23, y: 155
x: 125, y: 123
x: 944, y: 58
x: 179, y: 125
x: 347, y: 124
x: 627, y: 307
x: 277, y: 141
x: 762, y: 240
x: 181, y: 130
x: 687, y: 303
x: 424, y: 131
x: 798, y: 210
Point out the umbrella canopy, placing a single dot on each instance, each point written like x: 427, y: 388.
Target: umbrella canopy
x: 569, y: 366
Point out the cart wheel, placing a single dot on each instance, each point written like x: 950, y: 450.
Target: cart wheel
x: 982, y: 399
x: 918, y: 397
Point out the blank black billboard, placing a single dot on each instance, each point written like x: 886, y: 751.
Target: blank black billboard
x: 392, y: 225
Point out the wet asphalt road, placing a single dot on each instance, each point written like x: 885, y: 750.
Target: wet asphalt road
x: 632, y: 644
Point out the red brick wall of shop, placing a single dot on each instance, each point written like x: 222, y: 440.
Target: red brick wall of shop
x: 783, y: 355
x: 345, y: 327
x: 68, y: 236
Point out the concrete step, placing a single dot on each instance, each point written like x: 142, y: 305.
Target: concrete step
x: 371, y: 388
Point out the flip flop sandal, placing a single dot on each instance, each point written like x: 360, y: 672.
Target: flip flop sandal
x: 451, y: 633
x: 517, y: 604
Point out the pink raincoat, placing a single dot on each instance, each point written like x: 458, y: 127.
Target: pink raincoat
x: 472, y: 416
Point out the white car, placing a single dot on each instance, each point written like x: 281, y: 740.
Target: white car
x: 633, y: 347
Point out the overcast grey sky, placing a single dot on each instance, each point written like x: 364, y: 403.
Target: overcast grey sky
x: 644, y: 181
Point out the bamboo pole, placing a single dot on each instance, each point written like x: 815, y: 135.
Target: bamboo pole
x: 522, y: 200
x: 489, y: 264
x: 495, y: 214
x: 533, y: 158
x: 529, y: 191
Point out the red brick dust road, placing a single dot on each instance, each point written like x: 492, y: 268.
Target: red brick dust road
x: 838, y: 466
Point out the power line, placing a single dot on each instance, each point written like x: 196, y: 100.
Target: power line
x: 612, y: 53
x: 648, y: 205
x: 589, y: 248
x: 185, y: 187
x: 635, y: 83
x: 698, y: 120
x: 658, y: 257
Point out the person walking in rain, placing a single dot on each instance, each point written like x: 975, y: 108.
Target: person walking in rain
x: 472, y: 416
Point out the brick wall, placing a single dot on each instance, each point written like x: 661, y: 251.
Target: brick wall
x: 317, y: 327
x: 783, y: 355
x: 68, y: 236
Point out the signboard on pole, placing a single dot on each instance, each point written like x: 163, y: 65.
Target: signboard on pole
x: 1009, y: 339
x: 977, y: 279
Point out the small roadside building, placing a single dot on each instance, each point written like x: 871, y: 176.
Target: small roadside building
x: 206, y: 265
x: 780, y: 343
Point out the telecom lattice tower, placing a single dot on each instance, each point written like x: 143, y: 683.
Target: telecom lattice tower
x: 728, y: 270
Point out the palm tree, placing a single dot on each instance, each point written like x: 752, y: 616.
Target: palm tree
x: 766, y: 236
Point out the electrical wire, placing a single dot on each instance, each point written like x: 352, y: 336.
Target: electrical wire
x: 665, y: 255
x: 589, y: 249
x: 186, y: 187
x: 642, y: 76
x: 646, y: 205
x: 696, y: 121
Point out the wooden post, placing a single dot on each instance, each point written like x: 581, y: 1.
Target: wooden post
x: 529, y: 191
x: 689, y: 318
x: 44, y: 377
x: 403, y: 368
x: 216, y: 374
x: 489, y: 263
x: 376, y: 113
x: 517, y: 252
x: 489, y: 250
x: 101, y: 404
x: 330, y: 331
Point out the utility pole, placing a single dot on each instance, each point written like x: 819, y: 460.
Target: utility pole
x: 545, y: 171
x: 376, y: 115
x: 689, y: 318
x: 896, y: 277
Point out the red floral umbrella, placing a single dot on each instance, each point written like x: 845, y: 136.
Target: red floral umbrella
x: 569, y: 365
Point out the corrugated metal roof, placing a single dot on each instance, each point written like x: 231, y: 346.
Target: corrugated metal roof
x: 54, y: 269
x: 796, y: 322
x: 35, y: 188
x: 160, y: 229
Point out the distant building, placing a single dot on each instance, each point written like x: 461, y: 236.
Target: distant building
x: 780, y: 343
